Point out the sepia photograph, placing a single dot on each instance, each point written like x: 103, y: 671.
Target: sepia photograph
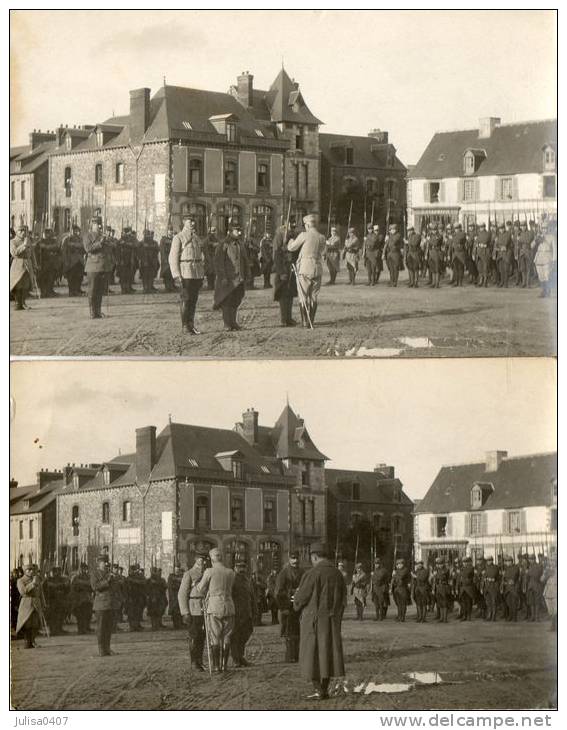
x: 279, y: 199
x: 281, y: 536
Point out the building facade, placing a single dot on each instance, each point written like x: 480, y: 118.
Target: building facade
x: 364, y: 172
x: 502, y: 505
x: 495, y: 173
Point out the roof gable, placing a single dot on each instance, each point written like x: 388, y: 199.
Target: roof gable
x: 286, y: 103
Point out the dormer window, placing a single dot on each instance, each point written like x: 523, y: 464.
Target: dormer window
x: 106, y: 476
x: 237, y: 469
x: 469, y: 163
x: 548, y: 158
x: 231, y: 132
x: 100, y: 138
x: 192, y: 462
x: 476, y: 497
x: 225, y: 124
x: 75, y: 481
x: 68, y: 142
x: 26, y: 504
x: 187, y: 126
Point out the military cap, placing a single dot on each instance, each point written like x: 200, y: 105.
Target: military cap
x: 358, y: 565
x: 419, y: 562
x: 508, y: 223
x: 393, y: 225
x: 47, y: 231
x: 501, y: 226
x: 240, y: 564
x: 189, y: 217
x: 438, y: 560
x: 321, y: 549
x: 102, y: 558
x: 508, y: 559
x: 96, y: 219
x: 29, y: 566
x: 458, y: 225
x: 516, y: 223
x: 411, y: 228
x: 377, y: 560
x: 369, y: 227
x: 490, y: 558
x: 524, y: 224
x: 350, y: 230
x: 449, y: 225
x: 468, y: 559
x: 400, y: 560
x: 482, y: 225
x: 431, y: 225
x: 213, y: 229
x: 76, y: 227
x: 294, y: 553
x: 292, y: 222
x: 115, y: 566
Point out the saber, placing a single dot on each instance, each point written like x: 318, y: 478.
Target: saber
x: 204, y: 609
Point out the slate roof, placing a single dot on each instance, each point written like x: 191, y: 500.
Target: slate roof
x: 332, y: 148
x: 522, y: 481
x: 287, y: 433
x: 29, y: 160
x: 281, y: 99
x: 372, y: 487
x: 39, y: 498
x: 511, y: 149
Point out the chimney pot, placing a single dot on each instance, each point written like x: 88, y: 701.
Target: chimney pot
x: 486, y: 126
x: 494, y: 459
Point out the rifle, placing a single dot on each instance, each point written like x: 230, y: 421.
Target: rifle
x: 349, y: 216
x: 329, y: 221
x: 372, y: 216
x: 364, y: 213
x: 337, y: 549
x: 356, y: 549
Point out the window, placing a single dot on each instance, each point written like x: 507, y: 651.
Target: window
x: 23, y: 190
x: 434, y: 189
x: 67, y: 180
x: 224, y: 214
x: 12, y: 190
x: 349, y: 156
x: 469, y: 190
x: 262, y: 180
x: 441, y: 527
x: 202, y: 511
x: 297, y: 180
x: 302, y: 513
x: 259, y: 133
x: 75, y: 519
x: 549, y: 158
x: 67, y: 219
x: 98, y: 173
x: 119, y: 173
x: 506, y: 188
x: 236, y: 511
x: 21, y: 528
x: 313, y: 515
x: 195, y: 173
x: 475, y: 523
x: 68, y: 142
x: 126, y: 511
x: 265, y: 469
x: 106, y: 476
x: 269, y: 512
x: 305, y: 476
x: 76, y: 481
x: 187, y: 125
x: 230, y: 132
x: 306, y: 177
x: 356, y: 492
x: 193, y: 462
x: 75, y: 557
x: 106, y: 513
x: 468, y: 163
x: 237, y: 469
x: 261, y: 219
x: 376, y: 520
x: 230, y: 175
x: 355, y: 518
x: 299, y: 140
x: 397, y: 525
x: 549, y: 186
x: 513, y: 522
x: 371, y: 186
x: 476, y: 497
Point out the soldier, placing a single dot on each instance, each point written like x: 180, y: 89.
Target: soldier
x: 458, y: 255
x: 187, y: 264
x: 545, y: 259
x: 421, y: 591
x: 156, y: 598
x: 216, y: 587
x: 549, y: 581
x: 534, y: 587
x: 243, y: 597
x: 466, y: 589
x: 231, y: 271
x: 401, y: 589
x: 359, y: 589
x: 320, y: 599
x: 483, y: 254
x: 56, y: 596
x: 21, y: 269
x: 479, y: 576
x: 191, y: 607
x: 503, y: 254
x: 435, y: 247
x: 135, y: 597
x: 82, y: 599
x: 412, y: 256
x: 491, y: 587
x: 109, y: 258
x: 455, y: 585
x: 30, y: 610
x: 259, y: 587
x: 125, y: 260
x: 252, y: 254
x: 470, y: 262
x: 15, y: 575
x: 380, y: 589
x: 448, y: 249
x: 49, y: 263
x: 74, y: 261
x: 287, y: 582
x: 118, y: 596
x: 271, y: 596
x: 311, y: 245
x: 285, y: 283
x: 94, y: 245
x: 165, y: 269
x: 148, y: 257
x: 342, y: 570
x: 173, y: 586
x: 524, y: 241
x: 351, y: 253
x: 332, y: 255
x: 266, y: 259
x: 102, y: 586
x: 510, y: 589
x: 372, y: 254
x: 393, y: 254
x: 442, y: 590
x: 209, y: 249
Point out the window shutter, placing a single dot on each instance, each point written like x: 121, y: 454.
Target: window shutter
x: 247, y: 173
x: 276, y: 182
x: 426, y: 198
x: 540, y: 187
x: 524, y: 522
x: 186, y: 506
x: 461, y: 190
x: 432, y: 527
x: 253, y: 509
x: 213, y: 171
x: 515, y: 192
x: 441, y: 192
x: 449, y: 530
x: 282, y: 511
x: 484, y: 524
x: 468, y: 525
x: 477, y: 189
x: 497, y: 189
x: 179, y: 169
x: 504, y: 523
x: 220, y: 508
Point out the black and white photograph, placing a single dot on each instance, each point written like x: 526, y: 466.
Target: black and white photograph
x: 279, y: 199
x: 275, y: 547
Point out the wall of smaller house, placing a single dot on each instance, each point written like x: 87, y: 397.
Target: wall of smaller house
x: 21, y: 550
x: 22, y: 209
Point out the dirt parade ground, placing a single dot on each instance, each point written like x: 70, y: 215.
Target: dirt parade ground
x: 354, y: 321
x: 390, y: 666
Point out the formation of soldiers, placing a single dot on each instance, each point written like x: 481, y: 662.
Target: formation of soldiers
x: 510, y: 588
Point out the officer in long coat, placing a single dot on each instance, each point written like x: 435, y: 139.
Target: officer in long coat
x: 156, y: 598
x: 191, y: 607
x: 243, y: 597
x: 442, y: 589
x: 56, y: 592
x: 173, y: 586
x: 458, y: 254
x: 393, y: 253
x: 470, y: 262
x: 285, y: 283
x: 30, y: 610
x: 148, y: 259
x: 101, y: 584
x: 311, y: 245
x: 49, y: 263
x: 401, y: 588
x: 118, y: 596
x: 21, y: 269
x: 372, y: 254
x: 491, y: 588
x: 503, y: 254
x: 524, y: 241
x: 287, y: 583
x: 266, y: 259
x: 351, y: 254
x: 510, y: 588
x: 82, y: 599
x: 135, y: 585
x: 421, y: 591
x: 95, y: 269
x: 380, y: 589
x: 534, y: 587
x: 165, y: 269
x: 483, y: 254
x: 435, y: 247
x: 187, y: 265
x: 332, y: 254
x: 231, y: 272
x: 216, y: 588
x: 413, y: 256
x: 359, y: 589
x: 73, y: 260
x: 467, y: 591
x: 320, y: 598
x: 545, y: 258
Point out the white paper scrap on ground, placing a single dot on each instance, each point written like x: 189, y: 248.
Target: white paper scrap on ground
x: 385, y: 688
x: 416, y: 342
x: 425, y: 677
x: 373, y: 352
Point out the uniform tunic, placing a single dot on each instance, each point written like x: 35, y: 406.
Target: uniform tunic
x: 216, y: 587
x: 311, y: 246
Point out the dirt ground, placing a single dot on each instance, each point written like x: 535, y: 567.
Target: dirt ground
x: 480, y: 666
x: 352, y: 321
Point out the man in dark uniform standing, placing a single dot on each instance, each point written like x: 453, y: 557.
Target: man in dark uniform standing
x: 332, y: 254
x: 320, y: 598
x: 243, y: 597
x: 101, y: 584
x: 285, y: 284
x: 400, y: 588
x: 231, y: 270
x: 74, y: 261
x: 534, y: 587
x: 125, y: 255
x: 148, y: 256
x: 466, y: 589
x: 165, y: 269
x: 458, y: 254
x: 380, y: 589
x: 525, y: 262
x: 286, y: 584
x: 503, y: 254
x: 135, y: 597
x: 482, y: 255
x: 491, y: 588
x: 266, y: 259
x: 82, y: 599
x: 435, y: 246
x: 209, y: 248
x: 413, y: 256
x: 421, y: 591
x: 49, y: 263
x: 393, y: 253
x: 173, y: 586
x: 372, y: 254
x: 510, y: 588
x: 470, y: 262
x: 156, y: 598
x: 94, y: 245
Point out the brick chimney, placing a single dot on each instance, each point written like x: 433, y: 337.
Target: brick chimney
x: 385, y: 471
x: 250, y: 426
x: 493, y: 459
x: 38, y: 137
x: 139, y: 112
x: 379, y: 135
x: 487, y: 125
x: 245, y: 89
x: 45, y: 476
x: 145, y: 452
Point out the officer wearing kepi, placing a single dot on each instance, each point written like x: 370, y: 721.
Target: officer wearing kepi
x: 73, y: 260
x: 101, y: 583
x: 287, y: 582
x: 95, y: 268
x: 231, y: 273
x: 285, y: 285
x: 187, y: 264
x: 413, y: 257
x: 311, y: 245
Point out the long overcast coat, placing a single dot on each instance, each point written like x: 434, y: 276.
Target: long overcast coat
x: 320, y: 597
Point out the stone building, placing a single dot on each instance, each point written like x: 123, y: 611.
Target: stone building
x: 366, y: 172
x: 496, y: 173
x: 501, y: 505
x: 369, y: 509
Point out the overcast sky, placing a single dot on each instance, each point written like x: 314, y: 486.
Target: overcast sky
x: 408, y: 72
x: 414, y: 414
